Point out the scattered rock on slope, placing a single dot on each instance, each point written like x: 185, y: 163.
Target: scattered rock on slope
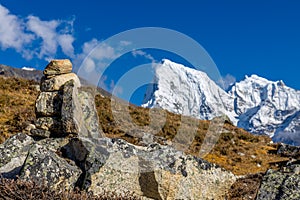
x: 68, y: 150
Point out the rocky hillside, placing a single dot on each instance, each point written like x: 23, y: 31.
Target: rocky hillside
x: 25, y: 73
x: 236, y: 151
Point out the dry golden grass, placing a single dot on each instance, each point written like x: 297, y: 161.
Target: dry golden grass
x: 24, y: 190
x: 17, y: 98
x: 236, y: 149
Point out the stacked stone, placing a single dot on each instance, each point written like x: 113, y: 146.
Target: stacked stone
x: 54, y: 104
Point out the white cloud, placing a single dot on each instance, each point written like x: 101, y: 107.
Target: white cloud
x: 97, y: 52
x: 92, y: 61
x: 136, y: 53
x: 32, y: 36
x: 89, y: 65
x: 226, y: 81
x: 104, y: 51
x: 87, y: 48
x: 66, y: 43
x: 125, y: 43
x: 51, y: 37
x: 46, y: 31
x: 115, y: 89
x: 12, y: 31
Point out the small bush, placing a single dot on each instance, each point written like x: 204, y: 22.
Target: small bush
x: 27, y: 190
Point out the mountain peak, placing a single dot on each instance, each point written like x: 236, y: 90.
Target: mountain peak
x: 187, y: 91
x: 263, y: 81
x: 256, y: 104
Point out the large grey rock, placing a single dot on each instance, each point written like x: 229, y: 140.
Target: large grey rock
x: 48, y: 104
x: 90, y: 118
x: 57, y: 67
x: 45, y: 166
x: 71, y: 113
x: 282, y: 184
x: 289, y: 151
x: 155, y: 171
x: 52, y: 124
x: 53, y: 144
x: 55, y: 83
x: 13, y: 154
x: 87, y: 157
x: 79, y: 114
x: 40, y: 133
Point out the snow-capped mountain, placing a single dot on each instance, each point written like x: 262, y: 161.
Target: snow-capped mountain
x: 255, y: 104
x: 265, y: 106
x: 189, y: 92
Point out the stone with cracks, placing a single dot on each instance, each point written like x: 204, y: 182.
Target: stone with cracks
x: 282, y: 184
x: 56, y: 83
x: 71, y: 114
x: 46, y: 167
x: 90, y: 118
x: 52, y: 124
x: 155, y: 171
x: 13, y: 154
x: 57, y: 67
x: 48, y: 104
x: 79, y: 115
x: 40, y: 133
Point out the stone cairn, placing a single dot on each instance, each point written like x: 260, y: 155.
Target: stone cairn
x: 59, y: 111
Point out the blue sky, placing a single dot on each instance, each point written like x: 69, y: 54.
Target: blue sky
x: 242, y: 37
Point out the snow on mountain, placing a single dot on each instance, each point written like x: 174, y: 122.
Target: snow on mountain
x: 265, y: 107
x: 28, y: 68
x: 189, y: 92
x: 255, y: 104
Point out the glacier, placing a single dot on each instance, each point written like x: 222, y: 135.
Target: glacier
x: 256, y: 104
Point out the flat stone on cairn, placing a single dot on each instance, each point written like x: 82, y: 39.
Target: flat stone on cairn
x: 57, y: 67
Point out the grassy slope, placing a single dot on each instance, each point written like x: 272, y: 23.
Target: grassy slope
x: 17, y: 98
x: 236, y: 149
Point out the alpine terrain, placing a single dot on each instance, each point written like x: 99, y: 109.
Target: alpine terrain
x: 256, y: 104
x: 59, y: 139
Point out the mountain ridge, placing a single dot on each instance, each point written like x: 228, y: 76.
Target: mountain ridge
x: 8, y: 71
x: 256, y: 104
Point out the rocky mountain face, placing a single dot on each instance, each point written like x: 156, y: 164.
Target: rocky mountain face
x: 65, y: 148
x: 267, y: 107
x: 255, y: 104
x: 26, y: 73
x: 189, y: 92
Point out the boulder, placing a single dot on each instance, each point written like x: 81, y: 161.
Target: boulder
x: 57, y: 67
x: 286, y: 150
x: 48, y: 104
x: 44, y: 166
x: 53, y: 144
x: 55, y: 83
x: 40, y: 133
x: 90, y: 118
x: 71, y: 113
x: 155, y: 171
x: 78, y: 114
x: 13, y: 154
x: 52, y: 124
x: 281, y: 184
